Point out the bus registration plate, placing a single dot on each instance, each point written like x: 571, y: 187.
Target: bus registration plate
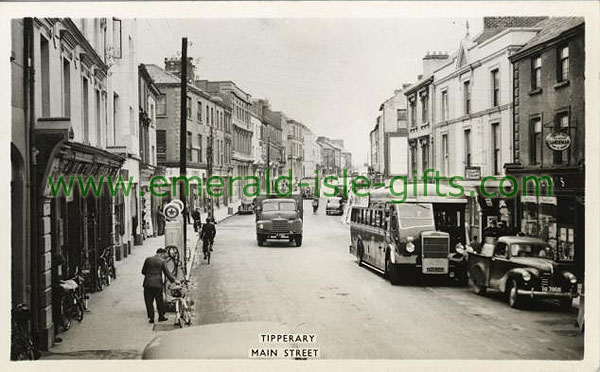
x: 435, y: 266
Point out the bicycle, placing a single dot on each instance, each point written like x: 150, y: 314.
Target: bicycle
x: 21, y: 345
x: 106, y: 269
x: 182, y: 304
x: 73, y: 301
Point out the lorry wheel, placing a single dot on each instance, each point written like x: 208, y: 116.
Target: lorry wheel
x: 392, y: 272
x: 260, y: 240
x: 514, y: 300
x: 298, y: 240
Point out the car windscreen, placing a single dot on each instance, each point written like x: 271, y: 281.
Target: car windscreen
x: 415, y: 214
x: 530, y: 250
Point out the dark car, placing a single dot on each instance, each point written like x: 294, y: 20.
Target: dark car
x: 246, y: 206
x: 524, y: 269
x: 334, y: 205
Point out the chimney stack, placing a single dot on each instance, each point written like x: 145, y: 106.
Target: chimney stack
x: 173, y: 65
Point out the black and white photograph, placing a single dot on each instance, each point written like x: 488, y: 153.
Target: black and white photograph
x: 303, y: 182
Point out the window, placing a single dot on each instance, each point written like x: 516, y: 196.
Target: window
x: 115, y: 117
x: 424, y: 107
x: 66, y: 88
x: 161, y: 146
x: 199, y: 113
x: 98, y: 118
x: 161, y: 105
x: 45, y: 75
x: 535, y: 148
x: 445, y: 154
x: 467, y: 96
x: 536, y: 73
x: 496, y: 147
x: 200, y: 148
x: 85, y: 110
x: 425, y: 155
x: 495, y: 88
x: 563, y: 64
x: 467, y: 146
x: 445, y: 105
x: 561, y: 124
x: 413, y: 113
x: 188, y: 145
x: 500, y: 250
x: 117, y: 42
x: 188, y: 107
x: 413, y: 157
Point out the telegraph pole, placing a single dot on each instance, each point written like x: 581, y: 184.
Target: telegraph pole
x: 209, y: 166
x: 183, y: 146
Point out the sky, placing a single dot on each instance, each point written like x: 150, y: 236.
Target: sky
x: 331, y: 74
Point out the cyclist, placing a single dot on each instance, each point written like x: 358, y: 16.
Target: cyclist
x: 208, y: 235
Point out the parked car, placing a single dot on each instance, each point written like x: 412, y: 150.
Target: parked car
x: 246, y: 206
x: 524, y: 269
x: 334, y: 206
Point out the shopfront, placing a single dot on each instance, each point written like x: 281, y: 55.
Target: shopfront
x: 558, y: 218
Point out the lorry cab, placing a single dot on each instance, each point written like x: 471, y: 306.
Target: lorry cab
x: 279, y: 218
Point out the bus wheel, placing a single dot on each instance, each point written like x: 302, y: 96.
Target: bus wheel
x: 391, y: 272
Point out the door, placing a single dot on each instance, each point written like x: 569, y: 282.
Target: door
x: 499, y: 264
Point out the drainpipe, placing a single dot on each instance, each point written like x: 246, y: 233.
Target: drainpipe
x: 29, y: 105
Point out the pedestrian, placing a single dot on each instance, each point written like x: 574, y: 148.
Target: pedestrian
x: 153, y: 270
x: 315, y: 205
x: 197, y: 219
x: 208, y: 235
x: 160, y: 220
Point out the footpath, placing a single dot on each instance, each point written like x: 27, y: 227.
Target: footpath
x: 116, y: 327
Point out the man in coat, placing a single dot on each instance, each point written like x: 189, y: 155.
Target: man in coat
x: 153, y: 270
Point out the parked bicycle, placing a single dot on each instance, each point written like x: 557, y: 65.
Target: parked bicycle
x: 183, y: 306
x: 73, y: 300
x: 106, y: 269
x: 21, y: 345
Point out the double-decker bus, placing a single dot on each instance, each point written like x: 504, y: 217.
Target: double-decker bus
x: 418, y: 235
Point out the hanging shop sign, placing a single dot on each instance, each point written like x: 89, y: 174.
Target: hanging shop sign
x: 558, y: 141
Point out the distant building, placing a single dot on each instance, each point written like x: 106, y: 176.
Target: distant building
x: 393, y: 135
x: 295, y: 148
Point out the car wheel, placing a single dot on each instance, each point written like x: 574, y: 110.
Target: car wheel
x: 298, y: 241
x: 392, y: 272
x: 514, y: 299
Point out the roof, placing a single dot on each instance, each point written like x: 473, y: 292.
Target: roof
x: 552, y: 28
x: 161, y: 76
x: 521, y: 239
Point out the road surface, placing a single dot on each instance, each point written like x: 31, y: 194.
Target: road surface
x: 354, y: 312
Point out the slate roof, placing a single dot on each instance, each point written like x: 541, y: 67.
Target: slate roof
x: 160, y: 76
x: 552, y: 28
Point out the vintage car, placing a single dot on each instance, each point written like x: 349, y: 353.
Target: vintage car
x: 334, y: 205
x: 524, y: 269
x: 246, y: 206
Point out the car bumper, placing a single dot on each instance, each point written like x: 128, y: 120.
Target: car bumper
x: 542, y: 294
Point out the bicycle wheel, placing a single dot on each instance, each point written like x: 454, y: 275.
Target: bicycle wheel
x: 78, y: 309
x: 99, y: 279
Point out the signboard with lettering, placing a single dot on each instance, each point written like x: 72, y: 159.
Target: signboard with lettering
x: 558, y: 141
x: 472, y: 173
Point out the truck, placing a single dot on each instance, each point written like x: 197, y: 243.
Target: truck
x: 279, y: 217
